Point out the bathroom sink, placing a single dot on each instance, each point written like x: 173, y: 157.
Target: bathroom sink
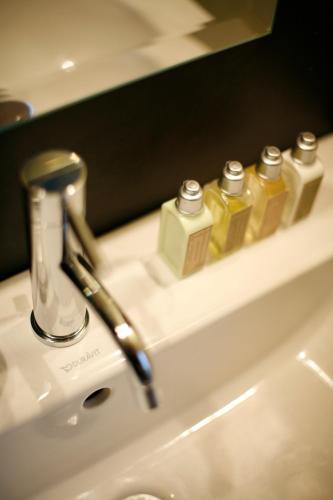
x: 242, y: 354
x: 264, y: 433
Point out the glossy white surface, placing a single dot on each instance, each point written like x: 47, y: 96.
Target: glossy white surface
x: 243, y: 358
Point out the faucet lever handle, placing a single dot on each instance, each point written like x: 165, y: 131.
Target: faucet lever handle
x: 84, y: 235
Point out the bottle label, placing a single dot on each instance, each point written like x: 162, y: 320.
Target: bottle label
x: 236, y: 231
x: 307, y: 198
x: 196, y: 250
x: 273, y: 214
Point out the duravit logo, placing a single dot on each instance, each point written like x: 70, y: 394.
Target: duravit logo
x: 88, y: 356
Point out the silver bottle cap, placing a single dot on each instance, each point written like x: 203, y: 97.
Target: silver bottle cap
x: 232, y: 179
x: 305, y: 149
x: 190, y: 198
x: 270, y: 164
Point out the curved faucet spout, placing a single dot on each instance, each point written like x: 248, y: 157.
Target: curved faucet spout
x: 129, y: 341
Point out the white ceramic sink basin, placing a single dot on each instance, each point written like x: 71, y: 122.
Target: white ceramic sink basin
x: 243, y: 355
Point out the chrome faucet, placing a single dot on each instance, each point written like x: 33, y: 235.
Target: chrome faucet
x: 64, y: 259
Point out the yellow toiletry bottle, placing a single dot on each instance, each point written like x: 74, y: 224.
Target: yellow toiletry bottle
x: 269, y: 193
x: 230, y: 205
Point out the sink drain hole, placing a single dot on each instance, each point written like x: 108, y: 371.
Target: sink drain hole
x: 96, y: 398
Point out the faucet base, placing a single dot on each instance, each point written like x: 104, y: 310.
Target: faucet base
x: 57, y: 340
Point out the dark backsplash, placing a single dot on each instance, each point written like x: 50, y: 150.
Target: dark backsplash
x: 140, y: 141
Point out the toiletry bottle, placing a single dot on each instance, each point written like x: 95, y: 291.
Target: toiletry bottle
x: 269, y: 192
x: 303, y: 172
x: 230, y: 205
x: 185, y: 230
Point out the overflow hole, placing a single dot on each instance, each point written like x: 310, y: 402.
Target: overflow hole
x: 96, y: 398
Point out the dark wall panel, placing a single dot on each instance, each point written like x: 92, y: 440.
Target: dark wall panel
x: 142, y: 140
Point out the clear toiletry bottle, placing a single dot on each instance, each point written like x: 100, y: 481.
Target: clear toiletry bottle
x: 269, y: 192
x: 230, y: 205
x: 185, y: 230
x: 303, y: 172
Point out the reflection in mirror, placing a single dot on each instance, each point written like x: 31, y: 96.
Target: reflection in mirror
x: 56, y: 53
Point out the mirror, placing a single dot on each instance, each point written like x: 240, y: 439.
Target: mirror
x: 57, y: 53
